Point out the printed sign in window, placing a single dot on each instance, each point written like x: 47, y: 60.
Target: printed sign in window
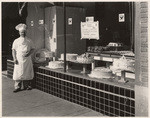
x: 122, y: 17
x: 69, y: 21
x: 41, y: 22
x: 90, y: 30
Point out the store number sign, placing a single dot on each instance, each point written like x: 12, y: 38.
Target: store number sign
x: 90, y: 30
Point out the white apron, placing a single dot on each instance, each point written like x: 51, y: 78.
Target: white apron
x: 24, y: 69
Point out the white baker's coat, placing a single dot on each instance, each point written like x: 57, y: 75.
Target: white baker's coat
x: 24, y: 69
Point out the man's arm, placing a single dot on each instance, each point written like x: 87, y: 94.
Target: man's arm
x: 29, y: 53
x: 14, y: 56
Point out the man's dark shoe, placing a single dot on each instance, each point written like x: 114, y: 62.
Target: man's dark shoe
x: 24, y: 88
x: 17, y: 90
x: 29, y: 88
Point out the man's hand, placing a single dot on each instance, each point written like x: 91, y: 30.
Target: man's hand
x: 27, y: 54
x: 15, y: 61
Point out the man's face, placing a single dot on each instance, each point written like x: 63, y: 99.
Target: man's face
x: 22, y: 33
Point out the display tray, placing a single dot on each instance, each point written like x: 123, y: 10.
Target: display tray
x: 110, y: 54
x: 75, y: 61
x: 77, y: 73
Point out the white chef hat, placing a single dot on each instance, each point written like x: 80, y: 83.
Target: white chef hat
x: 21, y: 27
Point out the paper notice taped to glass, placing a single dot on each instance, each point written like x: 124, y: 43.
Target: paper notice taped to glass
x: 90, y: 30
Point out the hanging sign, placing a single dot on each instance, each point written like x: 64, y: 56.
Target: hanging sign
x: 90, y: 30
x: 122, y: 17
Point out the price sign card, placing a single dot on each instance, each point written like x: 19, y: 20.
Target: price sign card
x: 90, y: 30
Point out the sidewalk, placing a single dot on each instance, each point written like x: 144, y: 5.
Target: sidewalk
x: 38, y: 103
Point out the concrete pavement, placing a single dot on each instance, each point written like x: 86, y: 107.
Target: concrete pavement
x: 38, y: 103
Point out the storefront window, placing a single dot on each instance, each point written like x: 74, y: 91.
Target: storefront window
x: 115, y: 24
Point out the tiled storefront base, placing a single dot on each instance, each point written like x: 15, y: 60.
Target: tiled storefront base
x: 104, y: 98
x: 111, y: 100
x: 10, y: 68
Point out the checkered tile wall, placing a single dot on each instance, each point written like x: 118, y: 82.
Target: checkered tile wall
x: 108, y: 99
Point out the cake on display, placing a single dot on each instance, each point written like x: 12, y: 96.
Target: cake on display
x: 69, y: 57
x: 123, y: 64
x: 85, y: 58
x: 101, y: 72
x: 55, y: 64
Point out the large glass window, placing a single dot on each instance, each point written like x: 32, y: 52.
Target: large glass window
x: 110, y: 28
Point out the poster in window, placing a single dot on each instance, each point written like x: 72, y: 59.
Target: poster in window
x: 122, y: 17
x: 90, y: 30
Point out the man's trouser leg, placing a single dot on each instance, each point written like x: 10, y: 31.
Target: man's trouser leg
x: 17, y: 84
x: 27, y: 84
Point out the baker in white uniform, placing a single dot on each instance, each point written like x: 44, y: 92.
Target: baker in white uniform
x: 22, y: 49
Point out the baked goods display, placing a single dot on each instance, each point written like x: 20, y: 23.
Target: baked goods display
x: 41, y: 55
x: 110, y: 47
x: 101, y: 72
x: 85, y: 58
x: 125, y: 53
x: 69, y: 56
x: 123, y: 64
x: 55, y: 64
x: 96, y: 49
x: 113, y: 44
